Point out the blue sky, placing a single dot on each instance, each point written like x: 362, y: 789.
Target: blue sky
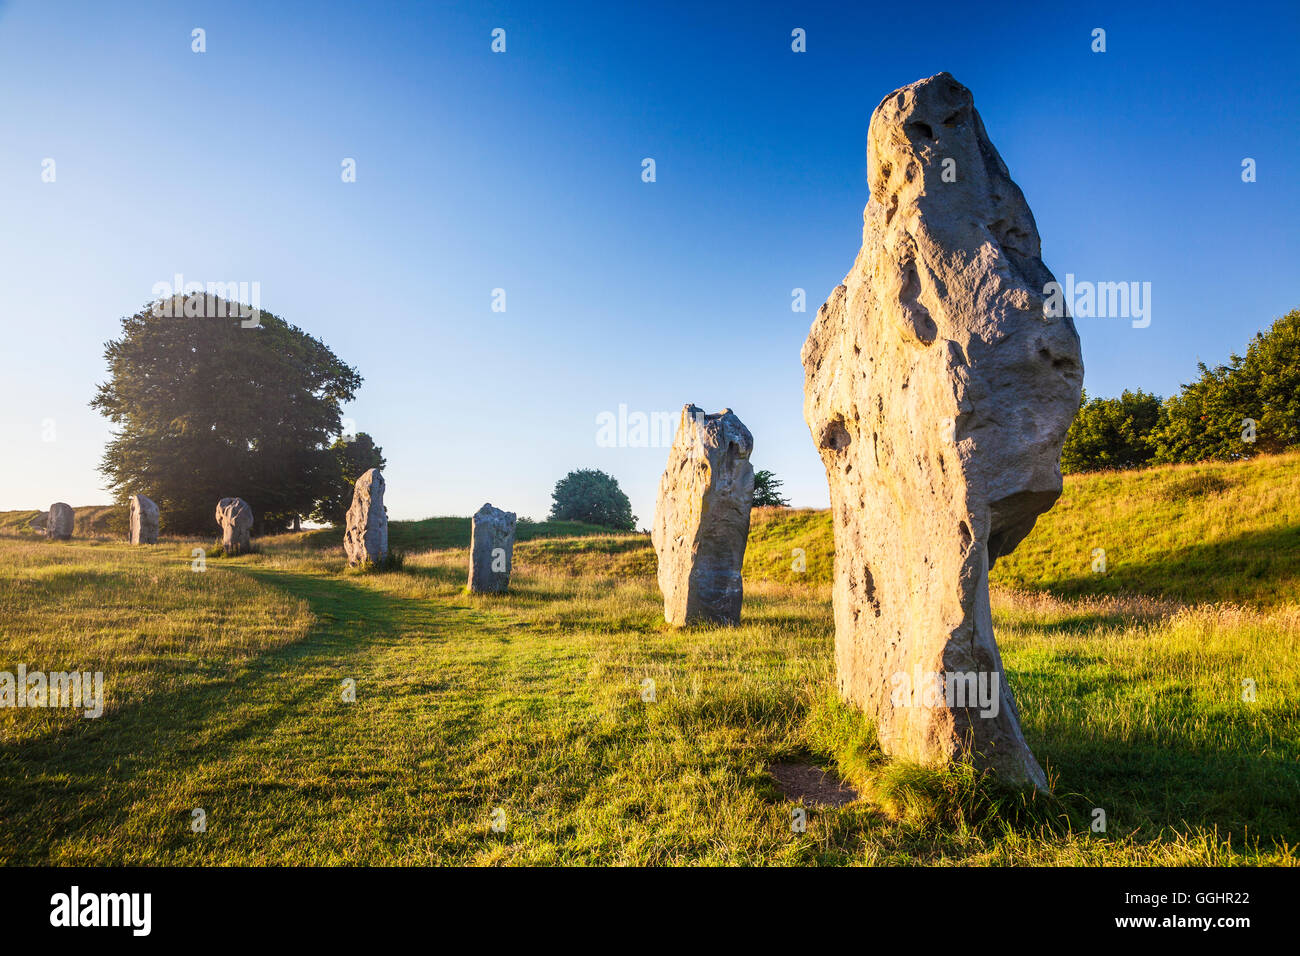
x: 522, y: 170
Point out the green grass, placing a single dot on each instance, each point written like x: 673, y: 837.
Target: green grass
x: 224, y: 692
x: 1201, y: 533
x: 435, y: 533
x: 94, y: 521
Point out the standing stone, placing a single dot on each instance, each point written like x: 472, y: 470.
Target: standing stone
x: 144, y: 520
x: 365, y: 540
x: 58, y: 523
x: 236, y: 520
x: 938, y: 389
x: 701, y: 521
x: 491, y: 549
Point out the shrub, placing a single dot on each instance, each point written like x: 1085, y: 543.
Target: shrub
x: 1208, y: 419
x: 1112, y: 433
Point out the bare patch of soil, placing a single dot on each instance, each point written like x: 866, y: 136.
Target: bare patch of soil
x: 811, y: 785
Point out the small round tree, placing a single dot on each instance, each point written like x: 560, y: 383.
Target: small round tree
x: 593, y: 497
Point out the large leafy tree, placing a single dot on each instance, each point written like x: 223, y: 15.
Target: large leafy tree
x: 594, y: 497
x: 1112, y: 433
x: 352, y: 458
x: 205, y: 408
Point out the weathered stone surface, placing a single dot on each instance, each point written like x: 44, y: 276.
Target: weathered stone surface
x: 938, y: 392
x: 491, y: 549
x: 365, y: 539
x: 236, y: 520
x: 701, y: 521
x: 144, y: 520
x: 59, y: 521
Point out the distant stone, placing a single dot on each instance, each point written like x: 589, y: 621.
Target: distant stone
x: 365, y: 539
x: 38, y: 523
x: 701, y: 520
x: 144, y: 520
x: 938, y: 388
x: 491, y: 550
x: 59, y: 521
x: 236, y: 520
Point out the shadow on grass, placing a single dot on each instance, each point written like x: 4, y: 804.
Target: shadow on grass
x: 1146, y: 788
x: 1082, y: 625
x: 1244, y: 795
x: 95, y: 761
x: 1260, y: 567
x: 440, y: 573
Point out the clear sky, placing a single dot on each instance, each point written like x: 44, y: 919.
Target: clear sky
x: 522, y: 171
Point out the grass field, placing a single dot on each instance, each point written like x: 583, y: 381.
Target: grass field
x: 224, y: 692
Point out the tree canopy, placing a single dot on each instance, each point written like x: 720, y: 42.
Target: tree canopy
x: 206, y: 408
x: 1247, y: 407
x: 767, y: 490
x: 1209, y: 418
x: 1112, y: 432
x: 594, y: 497
x: 353, y: 457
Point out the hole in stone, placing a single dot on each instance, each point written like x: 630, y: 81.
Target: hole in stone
x: 1010, y: 236
x: 963, y: 531
x: 924, y: 326
x: 835, y: 436
x: 869, y: 589
x: 1063, y: 361
x: 922, y: 128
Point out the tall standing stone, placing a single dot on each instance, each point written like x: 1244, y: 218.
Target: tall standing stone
x: 365, y: 539
x: 236, y: 520
x: 701, y: 521
x: 144, y: 520
x: 491, y: 549
x: 939, y: 385
x: 59, y: 522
